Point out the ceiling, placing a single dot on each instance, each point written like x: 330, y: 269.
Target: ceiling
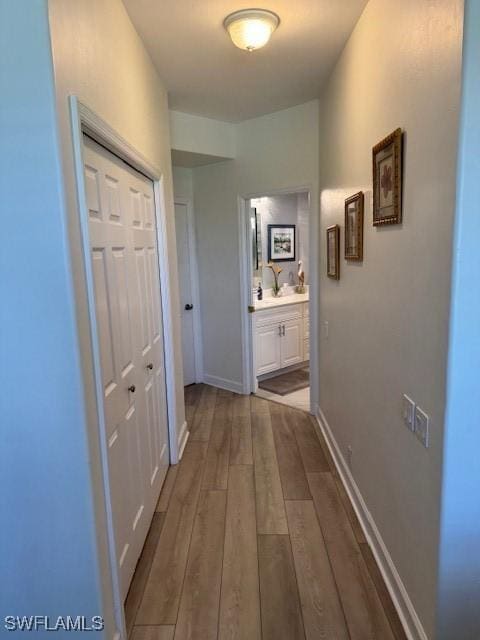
x: 206, y: 75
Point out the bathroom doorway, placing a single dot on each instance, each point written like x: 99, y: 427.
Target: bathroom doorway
x: 278, y: 247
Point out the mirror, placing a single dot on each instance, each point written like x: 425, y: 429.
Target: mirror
x: 257, y: 257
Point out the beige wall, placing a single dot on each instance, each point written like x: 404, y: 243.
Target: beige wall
x: 388, y: 317
x: 99, y: 58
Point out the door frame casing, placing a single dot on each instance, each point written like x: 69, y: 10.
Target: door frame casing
x: 195, y: 288
x: 249, y: 379
x: 84, y: 120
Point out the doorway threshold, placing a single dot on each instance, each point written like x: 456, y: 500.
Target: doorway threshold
x: 297, y: 399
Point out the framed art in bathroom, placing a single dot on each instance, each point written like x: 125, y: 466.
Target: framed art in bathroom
x: 333, y: 252
x: 387, y: 180
x: 354, y: 227
x: 281, y: 242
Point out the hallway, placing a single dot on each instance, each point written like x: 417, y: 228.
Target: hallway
x: 254, y: 536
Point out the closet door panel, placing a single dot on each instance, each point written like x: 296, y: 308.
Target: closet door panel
x: 123, y: 251
x: 149, y: 319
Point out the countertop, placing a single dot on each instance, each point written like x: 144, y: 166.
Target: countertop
x: 273, y: 303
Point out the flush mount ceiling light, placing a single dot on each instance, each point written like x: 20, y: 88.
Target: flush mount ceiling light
x: 251, y: 29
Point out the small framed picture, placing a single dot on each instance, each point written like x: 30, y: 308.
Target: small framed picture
x: 354, y: 227
x: 387, y: 180
x: 333, y: 252
x: 281, y: 242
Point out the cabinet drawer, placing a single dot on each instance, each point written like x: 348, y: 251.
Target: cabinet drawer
x: 282, y: 314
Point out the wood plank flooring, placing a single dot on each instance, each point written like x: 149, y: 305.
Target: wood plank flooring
x: 254, y: 537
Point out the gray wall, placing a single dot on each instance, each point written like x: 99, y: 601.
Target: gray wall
x: 50, y: 563
x: 277, y: 151
x: 459, y: 570
x: 388, y: 317
x: 291, y: 208
x: 53, y: 538
x: 182, y: 183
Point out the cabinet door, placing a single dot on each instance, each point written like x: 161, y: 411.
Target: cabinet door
x: 268, y: 348
x: 292, y: 342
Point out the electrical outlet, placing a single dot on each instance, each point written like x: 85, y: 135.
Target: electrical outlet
x: 408, y: 412
x: 422, y: 423
x: 325, y: 329
x: 349, y: 456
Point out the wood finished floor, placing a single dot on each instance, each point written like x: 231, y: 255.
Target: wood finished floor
x: 254, y: 537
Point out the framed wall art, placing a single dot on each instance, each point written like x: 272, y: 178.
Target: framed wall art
x: 333, y: 252
x: 387, y: 180
x: 354, y: 227
x: 281, y: 242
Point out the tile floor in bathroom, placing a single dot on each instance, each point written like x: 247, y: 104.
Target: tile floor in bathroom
x: 297, y: 399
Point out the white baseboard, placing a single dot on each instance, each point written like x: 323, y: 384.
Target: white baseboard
x: 182, y: 439
x: 223, y: 383
x: 401, y: 600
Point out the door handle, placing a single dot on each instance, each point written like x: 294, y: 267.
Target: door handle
x: 188, y: 307
x: 150, y: 365
x: 131, y: 388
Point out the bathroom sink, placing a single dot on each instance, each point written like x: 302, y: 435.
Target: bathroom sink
x: 275, y: 301
x: 288, y: 298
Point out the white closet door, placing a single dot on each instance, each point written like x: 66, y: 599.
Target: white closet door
x: 147, y: 320
x: 127, y: 299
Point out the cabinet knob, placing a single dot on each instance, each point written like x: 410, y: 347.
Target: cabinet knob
x: 131, y: 388
x: 150, y: 365
x: 188, y: 307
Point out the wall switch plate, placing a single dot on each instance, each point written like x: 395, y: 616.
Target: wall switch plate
x: 422, y: 422
x: 408, y: 412
x: 349, y: 456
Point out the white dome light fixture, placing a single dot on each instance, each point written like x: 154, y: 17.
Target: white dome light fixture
x: 251, y: 29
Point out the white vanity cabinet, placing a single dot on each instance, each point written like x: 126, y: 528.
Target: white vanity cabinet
x: 280, y: 337
x: 291, y: 343
x: 306, y: 332
x: 268, y: 348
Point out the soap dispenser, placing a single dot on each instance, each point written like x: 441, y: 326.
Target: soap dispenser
x: 259, y: 292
